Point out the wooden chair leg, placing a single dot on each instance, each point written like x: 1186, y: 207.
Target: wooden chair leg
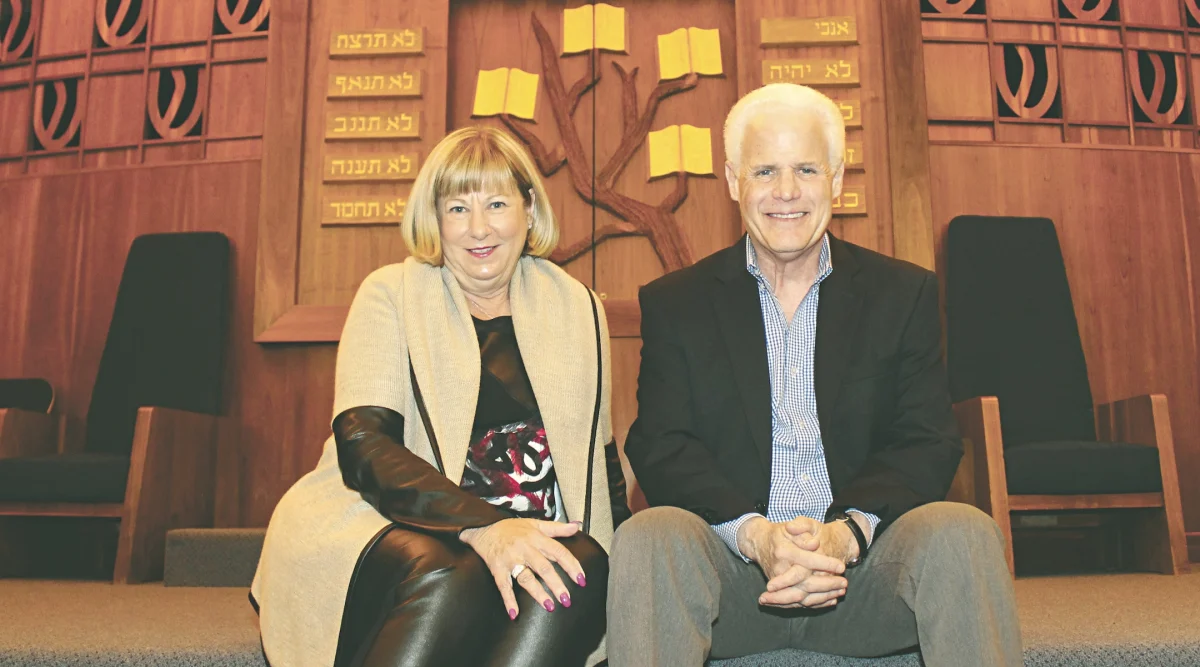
x: 1160, y: 544
x: 1154, y: 546
x: 170, y: 486
x: 979, y: 420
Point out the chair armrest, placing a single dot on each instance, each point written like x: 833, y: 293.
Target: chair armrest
x: 171, y: 485
x: 983, y: 454
x: 33, y: 394
x: 1146, y: 420
x: 25, y: 433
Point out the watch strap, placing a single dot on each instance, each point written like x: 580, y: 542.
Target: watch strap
x: 859, y: 537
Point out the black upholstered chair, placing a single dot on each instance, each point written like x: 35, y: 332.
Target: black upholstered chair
x: 1034, y: 441
x: 149, y: 451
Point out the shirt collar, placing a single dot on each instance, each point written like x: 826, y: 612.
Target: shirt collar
x: 824, y: 261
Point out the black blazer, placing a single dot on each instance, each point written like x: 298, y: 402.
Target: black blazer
x: 702, y: 438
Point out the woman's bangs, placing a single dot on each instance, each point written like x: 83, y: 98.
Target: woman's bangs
x: 477, y: 165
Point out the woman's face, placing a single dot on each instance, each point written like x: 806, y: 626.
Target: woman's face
x: 483, y: 236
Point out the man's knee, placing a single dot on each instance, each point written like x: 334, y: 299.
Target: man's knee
x: 652, y: 528
x: 951, y: 528
x: 964, y: 518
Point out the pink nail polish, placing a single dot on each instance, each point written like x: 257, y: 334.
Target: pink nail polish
x: 512, y: 614
x: 565, y: 600
x: 549, y: 605
x: 581, y: 580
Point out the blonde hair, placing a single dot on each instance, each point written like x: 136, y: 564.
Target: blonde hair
x: 475, y: 159
x: 792, y: 97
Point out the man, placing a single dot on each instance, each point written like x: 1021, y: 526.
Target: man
x: 794, y: 433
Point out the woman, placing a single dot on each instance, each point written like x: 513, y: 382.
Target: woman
x: 462, y: 511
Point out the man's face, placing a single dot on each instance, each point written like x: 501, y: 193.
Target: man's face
x: 784, y: 185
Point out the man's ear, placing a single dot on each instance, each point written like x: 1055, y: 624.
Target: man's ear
x: 732, y: 180
x: 837, y: 180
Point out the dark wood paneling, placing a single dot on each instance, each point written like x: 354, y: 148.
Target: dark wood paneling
x: 907, y: 133
x: 283, y: 152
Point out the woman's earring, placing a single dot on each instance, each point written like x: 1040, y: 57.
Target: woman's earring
x: 530, y: 226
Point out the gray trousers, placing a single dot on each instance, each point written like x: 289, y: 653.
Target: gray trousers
x: 935, y: 578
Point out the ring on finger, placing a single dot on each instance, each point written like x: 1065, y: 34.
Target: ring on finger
x: 516, y: 571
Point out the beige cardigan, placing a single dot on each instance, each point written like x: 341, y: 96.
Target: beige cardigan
x: 413, y: 310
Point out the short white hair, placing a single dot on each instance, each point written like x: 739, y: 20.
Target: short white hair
x: 790, y: 97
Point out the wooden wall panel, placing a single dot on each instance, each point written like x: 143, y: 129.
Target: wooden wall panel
x: 1165, y: 14
x: 334, y: 260
x: 14, y: 108
x: 181, y: 20
x: 1022, y: 9
x: 1187, y: 452
x: 135, y: 85
x: 242, y: 112
x: 956, y: 77
x: 1096, y: 96
x: 1125, y: 228
x: 66, y: 26
x: 908, y: 137
x: 115, y: 111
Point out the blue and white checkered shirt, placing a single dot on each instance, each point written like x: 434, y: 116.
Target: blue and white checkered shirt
x: 799, y: 479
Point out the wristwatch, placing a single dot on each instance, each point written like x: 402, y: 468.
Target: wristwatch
x: 858, y: 537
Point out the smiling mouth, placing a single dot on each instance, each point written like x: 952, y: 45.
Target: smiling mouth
x: 788, y: 216
x: 481, y: 253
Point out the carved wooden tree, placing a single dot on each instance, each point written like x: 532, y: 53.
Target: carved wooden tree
x: 656, y: 223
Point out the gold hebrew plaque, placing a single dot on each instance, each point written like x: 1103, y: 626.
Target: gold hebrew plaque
x: 851, y: 112
x: 855, y: 156
x: 812, y: 71
x: 853, y: 201
x: 397, y: 84
x: 388, y: 42
x: 349, y: 126
x: 346, y: 210
x: 795, y: 31
x: 380, y: 168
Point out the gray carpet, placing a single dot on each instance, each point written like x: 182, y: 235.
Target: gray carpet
x: 1096, y: 621
x: 65, y: 623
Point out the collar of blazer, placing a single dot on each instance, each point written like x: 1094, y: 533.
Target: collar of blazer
x: 740, y: 320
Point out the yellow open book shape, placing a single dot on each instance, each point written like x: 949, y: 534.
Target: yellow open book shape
x: 597, y: 26
x: 689, y: 50
x: 677, y: 148
x: 506, y: 90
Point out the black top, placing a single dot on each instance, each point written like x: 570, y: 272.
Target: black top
x: 509, y: 463
x: 505, y: 395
